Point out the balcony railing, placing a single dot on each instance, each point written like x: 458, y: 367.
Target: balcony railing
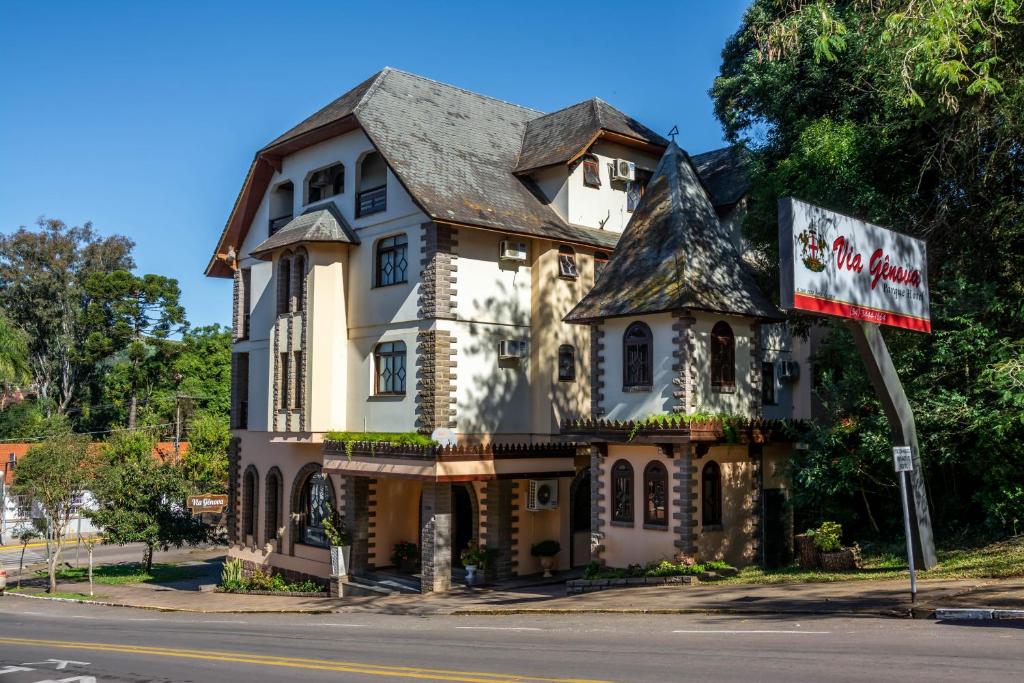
x: 278, y: 223
x: 373, y: 200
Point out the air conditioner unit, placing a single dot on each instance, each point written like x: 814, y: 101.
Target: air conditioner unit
x: 789, y: 370
x: 512, y: 251
x: 623, y: 170
x: 511, y: 348
x: 543, y: 495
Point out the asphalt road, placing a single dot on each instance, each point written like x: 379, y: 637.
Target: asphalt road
x: 35, y: 556
x: 69, y: 642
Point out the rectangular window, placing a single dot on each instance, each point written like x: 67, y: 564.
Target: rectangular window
x: 768, y: 384
x: 240, y: 391
x: 282, y: 381
x: 299, y: 392
x: 567, y: 262
x: 591, y: 172
x: 566, y: 363
x: 389, y: 357
x: 392, y: 260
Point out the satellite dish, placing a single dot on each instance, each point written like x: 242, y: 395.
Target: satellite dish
x: 444, y: 436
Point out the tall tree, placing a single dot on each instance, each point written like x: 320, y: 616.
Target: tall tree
x: 909, y: 114
x: 14, y: 367
x: 42, y: 291
x: 52, y: 475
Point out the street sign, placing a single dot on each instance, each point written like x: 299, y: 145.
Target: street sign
x: 207, y: 502
x: 834, y: 264
x: 902, y: 459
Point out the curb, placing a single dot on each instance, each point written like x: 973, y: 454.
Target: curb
x: 977, y: 614
x: 154, y: 608
x: 894, y: 614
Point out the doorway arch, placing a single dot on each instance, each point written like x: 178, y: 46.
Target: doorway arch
x: 579, y: 519
x: 464, y: 520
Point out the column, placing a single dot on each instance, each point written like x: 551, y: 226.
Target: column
x: 436, y: 538
x: 498, y: 529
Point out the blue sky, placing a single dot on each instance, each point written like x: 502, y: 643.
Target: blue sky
x: 143, y: 117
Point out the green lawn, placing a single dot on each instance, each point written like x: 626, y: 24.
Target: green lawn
x: 131, y: 572
x: 58, y: 594
x: 1002, y: 560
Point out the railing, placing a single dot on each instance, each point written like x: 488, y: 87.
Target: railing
x: 278, y: 223
x: 373, y: 200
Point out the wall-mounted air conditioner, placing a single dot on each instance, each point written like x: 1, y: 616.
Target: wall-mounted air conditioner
x: 512, y: 348
x: 623, y: 170
x: 543, y: 495
x: 512, y: 251
x: 789, y: 370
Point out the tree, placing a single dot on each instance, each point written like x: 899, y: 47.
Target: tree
x: 141, y: 500
x: 53, y: 475
x: 42, y: 291
x: 206, y: 462
x: 14, y: 367
x: 132, y: 315
x: 910, y: 115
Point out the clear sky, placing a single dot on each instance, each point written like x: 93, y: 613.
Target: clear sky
x: 143, y: 117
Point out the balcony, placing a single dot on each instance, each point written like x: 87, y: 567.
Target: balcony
x: 279, y: 222
x: 371, y: 201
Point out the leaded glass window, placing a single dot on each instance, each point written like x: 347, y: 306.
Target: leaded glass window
x: 392, y: 260
x: 655, y: 494
x: 637, y: 354
x: 317, y: 501
x: 390, y: 361
x: 622, y: 492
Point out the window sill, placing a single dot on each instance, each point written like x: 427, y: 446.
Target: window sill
x: 390, y: 284
x: 712, y: 527
x: 637, y: 389
x: 622, y: 524
x: 385, y: 398
x: 567, y: 380
x: 656, y: 527
x: 569, y: 278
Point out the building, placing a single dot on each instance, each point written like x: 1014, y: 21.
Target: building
x: 403, y: 261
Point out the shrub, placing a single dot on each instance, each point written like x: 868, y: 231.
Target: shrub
x: 828, y: 537
x: 548, y: 548
x: 231, y: 575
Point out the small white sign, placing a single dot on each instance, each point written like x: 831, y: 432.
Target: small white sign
x: 903, y: 459
x: 445, y: 437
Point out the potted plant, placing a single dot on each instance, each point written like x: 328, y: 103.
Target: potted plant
x: 340, y: 540
x: 546, y: 551
x: 832, y: 555
x: 404, y: 555
x: 471, y: 558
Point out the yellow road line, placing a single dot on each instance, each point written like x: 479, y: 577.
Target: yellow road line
x: 296, y: 662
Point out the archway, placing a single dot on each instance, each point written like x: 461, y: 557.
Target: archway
x: 463, y: 520
x: 579, y: 519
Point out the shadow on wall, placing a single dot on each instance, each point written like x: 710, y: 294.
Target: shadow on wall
x: 733, y: 543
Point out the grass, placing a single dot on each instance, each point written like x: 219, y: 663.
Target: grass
x: 132, y: 572
x: 1001, y: 560
x: 58, y: 594
x: 403, y: 438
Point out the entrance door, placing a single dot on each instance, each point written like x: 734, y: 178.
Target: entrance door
x: 463, y: 524
x: 777, y: 551
x: 580, y: 521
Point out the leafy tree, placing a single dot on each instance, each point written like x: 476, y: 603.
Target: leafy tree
x: 910, y: 115
x: 141, y: 500
x: 42, y: 291
x: 52, y: 475
x: 13, y: 353
x: 206, y: 462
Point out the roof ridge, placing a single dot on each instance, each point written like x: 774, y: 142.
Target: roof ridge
x: 459, y: 88
x: 377, y: 80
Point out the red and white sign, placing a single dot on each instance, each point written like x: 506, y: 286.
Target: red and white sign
x: 838, y: 265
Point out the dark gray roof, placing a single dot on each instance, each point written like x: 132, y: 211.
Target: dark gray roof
x: 323, y: 223
x: 724, y: 174
x: 674, y: 255
x: 454, y: 151
x: 558, y: 137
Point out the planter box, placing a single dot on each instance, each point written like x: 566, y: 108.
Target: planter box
x: 839, y: 560
x: 577, y: 586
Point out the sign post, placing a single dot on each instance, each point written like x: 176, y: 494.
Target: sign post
x: 903, y: 460
x: 832, y: 264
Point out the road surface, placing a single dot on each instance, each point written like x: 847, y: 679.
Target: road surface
x: 72, y: 555
x: 46, y: 642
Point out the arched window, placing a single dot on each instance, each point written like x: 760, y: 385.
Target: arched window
x: 655, y: 494
x: 315, y: 500
x: 600, y: 261
x: 622, y: 492
x: 711, y: 494
x: 389, y: 360
x: 250, y: 486
x: 591, y: 171
x: 324, y: 183
x: 723, y: 358
x: 567, y: 262
x: 566, y: 363
x: 284, y: 284
x: 273, y: 502
x: 298, y: 268
x: 637, y: 354
x: 373, y: 185
x: 392, y: 260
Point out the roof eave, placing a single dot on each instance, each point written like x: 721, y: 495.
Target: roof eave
x: 626, y: 140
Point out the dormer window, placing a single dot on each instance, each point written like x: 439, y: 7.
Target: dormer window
x: 591, y: 171
x: 567, y: 262
x: 282, y: 204
x: 325, y: 182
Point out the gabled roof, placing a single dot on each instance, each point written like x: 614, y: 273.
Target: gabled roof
x: 560, y: 137
x: 674, y: 255
x: 724, y: 174
x: 323, y: 224
x: 453, y: 150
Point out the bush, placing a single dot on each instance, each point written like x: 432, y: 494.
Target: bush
x: 548, y: 548
x: 828, y: 537
x: 232, y: 581
x: 231, y: 575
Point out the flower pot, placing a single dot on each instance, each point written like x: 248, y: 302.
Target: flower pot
x: 547, y: 563
x: 341, y: 557
x: 470, y: 574
x: 840, y: 560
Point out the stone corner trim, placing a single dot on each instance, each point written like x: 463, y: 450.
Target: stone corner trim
x: 438, y: 277
x: 435, y: 375
x: 683, y: 352
x: 596, y: 371
x: 685, y: 490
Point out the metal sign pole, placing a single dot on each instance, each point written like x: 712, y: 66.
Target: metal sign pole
x: 910, y: 543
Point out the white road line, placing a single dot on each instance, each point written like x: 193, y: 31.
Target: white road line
x: 501, y: 628
x: 222, y: 621
x: 346, y: 625
x: 744, y: 632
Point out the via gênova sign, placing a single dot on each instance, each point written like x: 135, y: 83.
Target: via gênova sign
x: 838, y: 265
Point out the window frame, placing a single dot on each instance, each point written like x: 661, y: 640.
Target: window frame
x: 591, y: 171
x: 723, y: 358
x: 646, y: 382
x: 361, y: 191
x: 711, y: 494
x: 388, y: 245
x: 328, y: 191
x: 380, y: 355
x: 283, y: 393
x: 623, y: 493
x: 570, y: 351
x: 656, y: 483
x: 567, y: 266
x: 284, y: 285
